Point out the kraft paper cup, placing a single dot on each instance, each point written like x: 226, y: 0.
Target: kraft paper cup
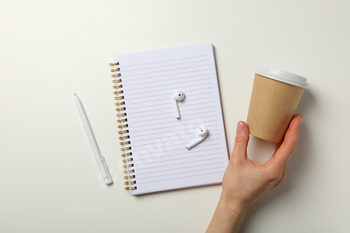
x: 275, y: 97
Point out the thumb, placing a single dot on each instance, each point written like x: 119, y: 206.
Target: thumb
x: 241, y: 141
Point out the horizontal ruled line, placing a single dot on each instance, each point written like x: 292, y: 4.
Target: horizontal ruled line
x: 138, y: 168
x: 189, y: 114
x: 182, y: 68
x: 158, y: 72
x: 204, y: 144
x: 163, y: 127
x: 157, y: 118
x: 136, y: 158
x: 140, y: 161
x: 167, y: 113
x: 145, y: 173
x: 171, y: 107
x: 181, y: 177
x: 212, y: 147
x: 180, y: 173
x: 161, y: 130
x: 156, y: 77
x: 164, y: 61
x: 131, y: 102
x: 128, y: 102
x: 186, y: 108
x: 172, y: 83
x: 153, y: 139
x: 164, y: 74
x: 184, y: 147
x: 170, y: 93
x: 166, y: 121
x: 165, y: 65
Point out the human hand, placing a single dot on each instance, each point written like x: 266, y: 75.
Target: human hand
x: 245, y: 181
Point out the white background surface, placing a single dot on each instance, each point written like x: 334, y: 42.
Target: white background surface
x: 51, y: 49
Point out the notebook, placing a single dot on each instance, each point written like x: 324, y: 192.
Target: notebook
x: 153, y: 141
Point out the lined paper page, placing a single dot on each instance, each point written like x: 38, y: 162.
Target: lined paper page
x: 158, y: 140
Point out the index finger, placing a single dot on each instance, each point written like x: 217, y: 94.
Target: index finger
x: 282, y: 155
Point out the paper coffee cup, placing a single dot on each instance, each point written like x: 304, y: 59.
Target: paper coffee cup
x: 275, y: 97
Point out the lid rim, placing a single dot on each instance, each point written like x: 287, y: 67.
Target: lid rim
x: 282, y: 76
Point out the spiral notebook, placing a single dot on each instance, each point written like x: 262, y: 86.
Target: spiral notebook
x: 153, y: 142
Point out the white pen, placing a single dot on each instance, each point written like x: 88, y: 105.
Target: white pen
x: 99, y: 159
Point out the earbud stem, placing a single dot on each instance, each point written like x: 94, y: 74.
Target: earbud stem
x: 195, y: 143
x: 176, y: 109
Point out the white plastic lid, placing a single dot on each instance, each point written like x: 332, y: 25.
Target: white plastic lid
x: 282, y: 76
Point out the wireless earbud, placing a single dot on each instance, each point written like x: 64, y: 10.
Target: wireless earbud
x: 202, y: 133
x: 178, y: 96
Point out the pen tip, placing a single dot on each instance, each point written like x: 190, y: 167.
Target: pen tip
x: 75, y: 94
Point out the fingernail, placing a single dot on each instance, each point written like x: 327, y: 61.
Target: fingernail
x: 239, y: 126
x: 301, y: 119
